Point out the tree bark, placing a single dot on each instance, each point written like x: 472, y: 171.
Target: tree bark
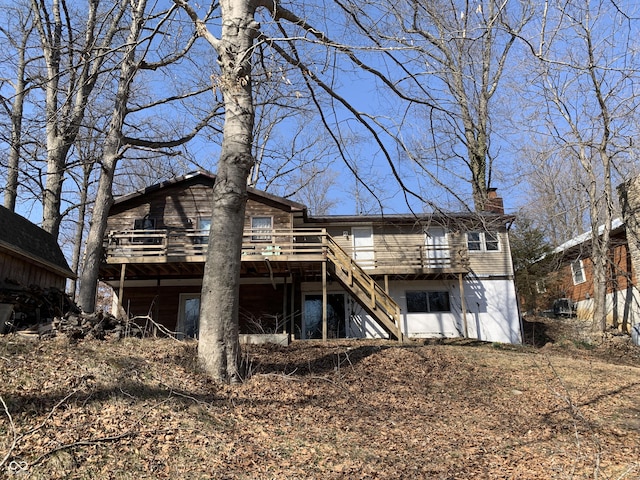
x: 110, y: 155
x: 218, y: 347
x: 17, y: 109
x: 65, y: 104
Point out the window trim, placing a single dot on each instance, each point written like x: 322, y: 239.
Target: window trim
x: 483, y: 241
x: 427, y: 300
x: 261, y: 238
x: 581, y: 271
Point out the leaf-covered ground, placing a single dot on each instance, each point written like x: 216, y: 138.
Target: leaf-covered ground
x: 140, y: 409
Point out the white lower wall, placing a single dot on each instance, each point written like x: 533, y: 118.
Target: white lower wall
x: 492, y: 312
x: 622, y: 308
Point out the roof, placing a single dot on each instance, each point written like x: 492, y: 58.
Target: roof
x: 207, y: 177
x: 441, y: 217
x: 25, y: 239
x: 616, y: 223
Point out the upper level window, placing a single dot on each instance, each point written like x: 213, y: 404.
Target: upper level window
x: 428, y: 302
x: 145, y: 223
x: 483, y: 242
x: 204, y: 225
x: 261, y: 223
x: 577, y: 272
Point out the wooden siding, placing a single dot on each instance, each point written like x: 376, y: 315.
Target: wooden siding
x: 260, y: 304
x: 489, y: 262
x: 17, y: 270
x: 181, y: 206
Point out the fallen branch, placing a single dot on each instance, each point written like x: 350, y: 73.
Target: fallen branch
x: 82, y: 443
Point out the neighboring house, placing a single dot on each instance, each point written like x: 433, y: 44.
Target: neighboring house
x: 572, y: 279
x: 316, y: 277
x: 29, y: 256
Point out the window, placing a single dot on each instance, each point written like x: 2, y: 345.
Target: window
x: 483, y: 242
x: 428, y: 302
x: 577, y: 272
x: 204, y: 225
x: 145, y: 223
x: 261, y: 223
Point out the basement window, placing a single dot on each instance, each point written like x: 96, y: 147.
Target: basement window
x: 427, y: 302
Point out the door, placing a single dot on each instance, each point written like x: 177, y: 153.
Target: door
x: 363, y: 252
x: 189, y: 315
x: 437, y: 247
x: 336, y: 314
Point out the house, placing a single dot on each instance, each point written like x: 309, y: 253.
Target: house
x: 392, y: 276
x: 571, y: 280
x: 29, y: 256
x: 568, y: 289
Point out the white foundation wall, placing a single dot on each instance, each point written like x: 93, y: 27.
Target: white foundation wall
x: 622, y: 309
x: 492, y: 311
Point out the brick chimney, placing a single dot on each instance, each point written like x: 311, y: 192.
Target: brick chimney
x: 494, y: 202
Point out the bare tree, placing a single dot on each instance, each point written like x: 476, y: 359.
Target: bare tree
x: 236, y: 47
x: 17, y: 35
x: 74, y: 58
x: 453, y: 55
x: 586, y: 79
x: 144, y: 26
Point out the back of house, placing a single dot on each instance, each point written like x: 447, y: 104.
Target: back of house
x: 315, y: 277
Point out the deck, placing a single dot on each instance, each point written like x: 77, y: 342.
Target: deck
x: 277, y: 246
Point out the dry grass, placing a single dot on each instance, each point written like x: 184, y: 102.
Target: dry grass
x: 359, y: 409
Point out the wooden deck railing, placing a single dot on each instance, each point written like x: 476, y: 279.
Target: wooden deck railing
x: 190, y: 245
x: 371, y: 296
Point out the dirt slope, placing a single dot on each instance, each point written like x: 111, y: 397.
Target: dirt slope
x: 356, y: 410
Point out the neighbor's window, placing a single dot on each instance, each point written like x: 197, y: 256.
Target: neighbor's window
x: 261, y: 223
x: 428, y: 302
x: 483, y: 242
x: 577, y: 272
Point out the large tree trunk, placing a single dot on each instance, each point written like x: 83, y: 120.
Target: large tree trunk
x: 218, y: 347
x: 79, y: 235
x: 17, y: 109
x: 110, y: 155
x: 97, y: 229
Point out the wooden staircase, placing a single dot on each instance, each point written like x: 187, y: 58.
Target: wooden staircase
x: 375, y: 301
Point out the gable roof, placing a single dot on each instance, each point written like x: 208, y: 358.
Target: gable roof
x: 208, y: 177
x: 616, y: 224
x: 22, y: 238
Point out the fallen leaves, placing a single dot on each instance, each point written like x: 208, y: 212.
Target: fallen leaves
x: 344, y: 409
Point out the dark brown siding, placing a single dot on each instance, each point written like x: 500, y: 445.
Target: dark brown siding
x: 180, y: 206
x: 25, y: 273
x: 619, y: 274
x: 260, y: 304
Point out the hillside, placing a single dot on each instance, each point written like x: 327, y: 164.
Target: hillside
x: 140, y: 409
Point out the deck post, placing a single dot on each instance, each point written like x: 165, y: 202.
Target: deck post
x: 463, y: 305
x: 293, y: 306
x: 123, y: 270
x: 324, y: 300
x: 284, y: 305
